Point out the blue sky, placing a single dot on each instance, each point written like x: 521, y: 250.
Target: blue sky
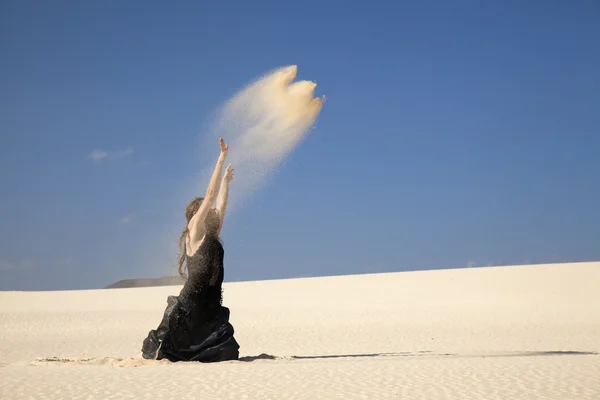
x: 452, y: 134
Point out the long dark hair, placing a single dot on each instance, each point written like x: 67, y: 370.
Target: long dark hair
x: 190, y: 210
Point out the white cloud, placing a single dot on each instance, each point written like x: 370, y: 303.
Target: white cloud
x: 99, y: 154
x: 125, y: 219
x: 66, y: 260
x: 6, y: 265
x: 123, y: 153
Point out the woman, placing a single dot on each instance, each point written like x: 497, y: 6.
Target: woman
x: 195, y: 326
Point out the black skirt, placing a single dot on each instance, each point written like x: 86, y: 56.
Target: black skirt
x: 192, y: 331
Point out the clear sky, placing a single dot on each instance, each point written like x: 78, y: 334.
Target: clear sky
x: 454, y: 134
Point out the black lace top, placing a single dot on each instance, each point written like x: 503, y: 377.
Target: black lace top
x: 205, y: 273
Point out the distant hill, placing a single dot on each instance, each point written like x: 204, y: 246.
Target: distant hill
x: 146, y: 282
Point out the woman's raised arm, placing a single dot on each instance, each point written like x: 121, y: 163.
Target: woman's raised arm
x: 223, y: 196
x: 196, y: 224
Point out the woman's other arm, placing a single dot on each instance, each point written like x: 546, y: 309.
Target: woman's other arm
x: 223, y: 196
x: 196, y: 224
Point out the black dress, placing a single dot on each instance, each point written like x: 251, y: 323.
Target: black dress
x: 195, y: 326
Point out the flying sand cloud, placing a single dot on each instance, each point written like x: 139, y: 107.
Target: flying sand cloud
x: 263, y: 123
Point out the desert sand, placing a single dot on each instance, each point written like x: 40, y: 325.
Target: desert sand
x: 516, y: 332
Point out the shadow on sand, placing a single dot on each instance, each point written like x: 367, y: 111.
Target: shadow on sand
x: 139, y: 361
x: 427, y: 353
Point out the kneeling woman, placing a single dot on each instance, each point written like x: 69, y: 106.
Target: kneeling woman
x: 195, y: 326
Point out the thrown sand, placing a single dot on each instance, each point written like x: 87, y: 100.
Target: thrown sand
x: 262, y: 123
x: 524, y: 332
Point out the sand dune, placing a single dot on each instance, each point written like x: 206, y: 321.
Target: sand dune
x: 519, y: 332
x: 146, y: 282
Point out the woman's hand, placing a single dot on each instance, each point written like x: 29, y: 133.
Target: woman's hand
x: 224, y: 148
x: 228, y: 174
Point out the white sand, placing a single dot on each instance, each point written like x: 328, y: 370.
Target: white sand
x: 485, y: 333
